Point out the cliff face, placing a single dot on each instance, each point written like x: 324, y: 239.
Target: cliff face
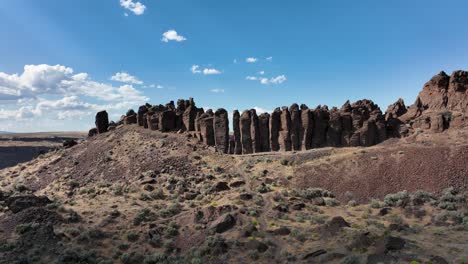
x: 442, y: 104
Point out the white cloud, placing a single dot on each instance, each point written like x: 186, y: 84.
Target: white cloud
x: 125, y: 78
x: 278, y: 79
x: 269, y: 58
x: 261, y: 72
x: 251, y: 60
x: 264, y: 81
x: 211, y: 71
x: 53, y: 92
x: 195, y: 69
x: 172, y: 35
x: 136, y: 8
x: 251, y: 78
x: 235, y: 61
x: 217, y: 90
x: 126, y: 14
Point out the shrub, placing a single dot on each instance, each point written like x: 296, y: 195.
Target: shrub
x: 132, y: 236
x: 331, y: 202
x: 352, y: 203
x: 397, y: 199
x: 144, y: 215
x: 298, y: 235
x: 263, y: 188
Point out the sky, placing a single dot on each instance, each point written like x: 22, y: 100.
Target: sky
x: 61, y: 61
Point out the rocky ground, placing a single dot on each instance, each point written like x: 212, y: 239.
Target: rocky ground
x: 139, y: 196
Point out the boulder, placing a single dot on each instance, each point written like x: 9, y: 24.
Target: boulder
x: 19, y: 203
x: 221, y: 130
x: 92, y: 132
x: 245, y: 129
x: 223, y: 223
x: 457, y: 93
x: 102, y: 122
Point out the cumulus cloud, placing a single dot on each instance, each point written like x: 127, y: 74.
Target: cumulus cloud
x: 217, y: 90
x: 278, y: 79
x: 195, y: 69
x: 136, y: 8
x: 54, y: 90
x: 261, y: 72
x: 266, y: 81
x: 172, y: 35
x: 269, y: 59
x: 211, y: 71
x: 125, y: 78
x: 251, y: 60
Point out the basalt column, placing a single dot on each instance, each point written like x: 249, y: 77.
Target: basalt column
x: 140, y: 117
x: 102, y: 122
x: 237, y: 132
x: 221, y: 130
x: 284, y: 133
x: 206, y: 128
x: 307, y: 127
x: 275, y: 125
x: 321, y: 118
x: 296, y: 126
x: 334, y: 128
x: 167, y: 121
x: 245, y: 127
x: 263, y: 127
x: 254, y: 132
x: 190, y: 115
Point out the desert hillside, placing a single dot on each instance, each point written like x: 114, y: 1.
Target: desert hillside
x: 134, y: 195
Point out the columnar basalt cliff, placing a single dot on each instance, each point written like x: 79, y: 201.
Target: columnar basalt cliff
x: 442, y: 104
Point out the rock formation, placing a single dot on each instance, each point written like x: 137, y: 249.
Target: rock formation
x: 442, y: 104
x: 102, y: 122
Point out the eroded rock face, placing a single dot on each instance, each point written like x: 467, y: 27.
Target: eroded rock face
x: 206, y: 128
x: 321, y: 118
x: 334, y: 128
x: 255, y: 132
x: 307, y: 122
x: 285, y: 142
x: 458, y: 92
x: 221, y: 130
x: 142, y: 110
x: 263, y: 127
x: 296, y: 126
x: 102, y: 122
x: 189, y: 115
x: 167, y: 121
x: 245, y: 128
x: 237, y: 133
x: 275, y: 125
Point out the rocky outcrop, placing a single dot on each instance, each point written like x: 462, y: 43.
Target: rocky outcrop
x: 285, y: 143
x: 296, y: 126
x: 221, y: 130
x: 275, y: 126
x: 206, y: 128
x: 102, y: 122
x: 245, y: 129
x: 237, y: 132
x: 263, y: 128
x: 442, y: 104
x: 255, y: 132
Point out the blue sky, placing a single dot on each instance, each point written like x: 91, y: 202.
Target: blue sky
x: 82, y: 56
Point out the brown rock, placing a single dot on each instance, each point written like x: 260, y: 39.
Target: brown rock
x: 254, y: 131
x: 221, y: 130
x: 275, y: 126
x: 307, y: 120
x: 296, y: 126
x: 102, y: 122
x: 284, y: 132
x: 321, y: 118
x: 237, y: 132
x: 263, y: 126
x: 245, y: 128
x: 334, y: 128
x: 206, y: 128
